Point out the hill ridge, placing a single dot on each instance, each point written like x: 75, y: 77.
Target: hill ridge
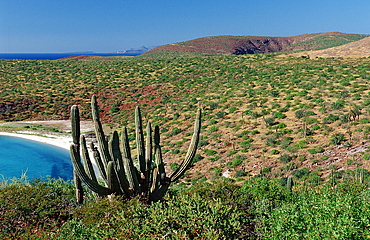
x: 245, y: 44
x: 360, y: 48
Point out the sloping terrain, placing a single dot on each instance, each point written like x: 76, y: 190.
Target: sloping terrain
x: 263, y: 114
x: 239, y: 45
x: 359, y: 48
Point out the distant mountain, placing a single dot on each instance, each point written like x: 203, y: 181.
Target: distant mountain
x: 238, y: 45
x: 137, y: 51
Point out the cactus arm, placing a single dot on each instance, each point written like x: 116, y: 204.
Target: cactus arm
x: 117, y: 157
x: 99, y: 162
x: 103, y: 144
x: 79, y: 189
x: 191, y: 150
x: 140, y: 140
x: 130, y: 170
x: 148, y: 161
x: 75, y: 125
x: 87, y: 162
x: 148, y: 153
x: 86, y: 159
x: 154, y: 183
x: 158, y: 156
x: 113, y: 182
x: 94, y: 186
x: 126, y: 151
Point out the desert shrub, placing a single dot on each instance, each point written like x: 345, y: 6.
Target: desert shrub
x: 285, y: 158
x: 209, y: 152
x: 27, y: 207
x: 234, y: 163
x: 274, y: 93
x: 197, y: 158
x: 232, y: 109
x: 337, y: 138
x: 312, y: 151
x: 299, y: 173
x: 315, y: 127
x: 337, y: 105
x: 240, y: 173
x: 366, y: 156
x: 174, y: 166
x: 213, y: 129
x: 220, y: 114
x: 192, y: 216
x: 175, y: 151
x: 330, y: 119
x: 330, y: 208
x: 265, y: 170
x: 280, y: 126
x: 279, y: 115
x: 269, y: 121
x: 274, y: 151
x: 213, y: 105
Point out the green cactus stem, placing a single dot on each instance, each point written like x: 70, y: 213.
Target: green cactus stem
x: 289, y: 183
x: 75, y: 124
x: 116, y: 165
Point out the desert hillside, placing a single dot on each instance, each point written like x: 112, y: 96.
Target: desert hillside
x: 360, y: 48
x: 240, y: 45
x: 263, y: 114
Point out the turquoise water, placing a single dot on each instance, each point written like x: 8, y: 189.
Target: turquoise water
x: 38, y: 160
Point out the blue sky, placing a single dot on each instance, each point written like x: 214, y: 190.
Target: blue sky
x: 114, y: 25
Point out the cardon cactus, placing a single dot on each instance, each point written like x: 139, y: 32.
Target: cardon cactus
x: 113, y: 158
x: 289, y: 183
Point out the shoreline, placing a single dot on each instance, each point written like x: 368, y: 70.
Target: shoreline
x: 60, y: 141
x: 42, y: 133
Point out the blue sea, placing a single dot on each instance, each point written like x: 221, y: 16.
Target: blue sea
x: 37, y: 160
x: 54, y: 56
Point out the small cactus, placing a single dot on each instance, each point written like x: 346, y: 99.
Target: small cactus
x: 289, y: 183
x: 116, y: 166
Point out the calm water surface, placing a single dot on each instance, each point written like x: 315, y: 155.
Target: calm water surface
x: 54, y: 56
x: 38, y: 160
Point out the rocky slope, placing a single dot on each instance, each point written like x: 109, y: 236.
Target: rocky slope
x: 221, y: 45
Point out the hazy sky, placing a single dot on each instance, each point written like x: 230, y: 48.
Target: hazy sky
x: 113, y: 25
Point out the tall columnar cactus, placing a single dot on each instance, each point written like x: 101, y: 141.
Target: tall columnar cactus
x: 289, y: 183
x: 116, y: 165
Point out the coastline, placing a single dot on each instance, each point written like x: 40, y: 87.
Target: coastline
x: 62, y: 141
x: 42, y: 133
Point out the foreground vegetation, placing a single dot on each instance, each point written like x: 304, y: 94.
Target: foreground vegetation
x: 257, y: 208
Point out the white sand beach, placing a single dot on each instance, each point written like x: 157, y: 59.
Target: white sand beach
x: 62, y: 141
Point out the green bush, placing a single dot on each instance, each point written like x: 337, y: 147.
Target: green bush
x: 285, y: 158
x: 274, y: 151
x: 279, y: 115
x: 366, y: 156
x: 236, y: 162
x: 209, y: 152
x: 325, y: 213
x: 299, y: 173
x: 337, y: 138
x: 233, y: 109
x: 35, y: 205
